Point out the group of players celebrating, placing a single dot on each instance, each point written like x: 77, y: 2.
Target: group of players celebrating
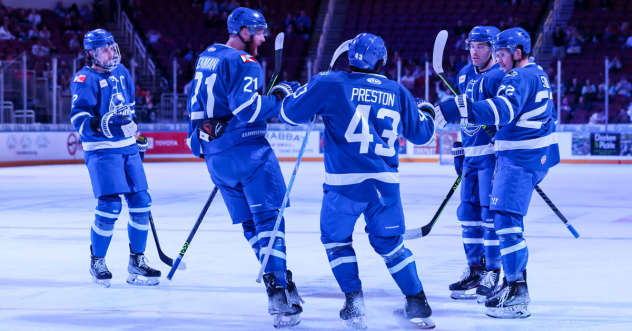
x: 504, y: 95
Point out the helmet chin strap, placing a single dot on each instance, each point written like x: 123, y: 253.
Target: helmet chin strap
x: 485, y: 66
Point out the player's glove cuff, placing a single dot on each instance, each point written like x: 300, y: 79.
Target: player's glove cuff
x: 425, y: 107
x: 457, y: 149
x: 286, y: 88
x: 142, y: 144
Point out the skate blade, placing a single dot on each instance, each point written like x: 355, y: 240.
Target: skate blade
x: 134, y: 280
x: 481, y: 299
x: 102, y: 282
x: 284, y: 321
x: 357, y: 323
x: 461, y: 295
x: 512, y: 312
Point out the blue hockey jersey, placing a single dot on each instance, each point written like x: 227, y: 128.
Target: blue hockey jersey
x: 95, y: 94
x: 524, y: 110
x: 363, y: 115
x: 226, y: 87
x: 479, y: 152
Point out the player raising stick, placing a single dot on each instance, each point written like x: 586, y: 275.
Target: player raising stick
x: 475, y: 161
x: 526, y: 147
x: 364, y: 113
x: 103, y: 113
x: 227, y: 128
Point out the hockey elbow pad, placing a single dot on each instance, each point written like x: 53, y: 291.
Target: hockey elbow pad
x: 142, y: 144
x: 211, y: 129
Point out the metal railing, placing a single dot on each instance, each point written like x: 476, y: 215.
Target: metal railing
x: 170, y: 111
x: 547, y: 28
x: 323, y: 37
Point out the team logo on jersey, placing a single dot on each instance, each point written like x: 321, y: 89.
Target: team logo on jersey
x: 211, y: 49
x: 512, y: 73
x: 248, y: 58
x: 461, y: 79
x: 79, y: 79
x: 543, y: 159
x: 103, y: 83
x: 374, y: 81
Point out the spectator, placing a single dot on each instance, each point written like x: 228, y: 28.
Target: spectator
x: 302, y: 31
x: 74, y: 45
x: 628, y: 43
x: 153, y: 36
x: 589, y: 91
x: 443, y: 95
x: 305, y: 19
x: 575, y: 88
x: 189, y: 52
x: 622, y: 117
x: 68, y: 26
x: 574, y: 42
x: 260, y: 7
x: 609, y: 34
x: 44, y: 33
x: 85, y: 13
x: 33, y: 34
x: 615, y: 65
x: 418, y: 73
x: 60, y: 11
x: 624, y: 32
x: 232, y: 6
x: 211, y: 6
x: 149, y: 105
x: 581, y: 105
x: 598, y: 117
x: 289, y: 20
x: 554, y: 86
x: 34, y: 17
x: 566, y: 105
x: 601, y: 94
x: 5, y: 31
x: 624, y: 87
x: 223, y: 7
x: 39, y: 49
x: 289, y: 30
x: 408, y: 81
x: 461, y: 44
x: 73, y: 11
x: 559, y: 43
x: 460, y: 28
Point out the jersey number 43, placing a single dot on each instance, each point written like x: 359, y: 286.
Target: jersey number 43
x: 361, y: 117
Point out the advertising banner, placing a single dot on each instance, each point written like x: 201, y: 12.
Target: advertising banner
x: 288, y: 143
x: 605, y: 143
x: 36, y: 146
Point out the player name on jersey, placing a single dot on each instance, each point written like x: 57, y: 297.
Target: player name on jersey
x: 207, y: 63
x: 368, y: 95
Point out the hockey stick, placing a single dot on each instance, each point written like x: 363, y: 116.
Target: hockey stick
x: 190, y: 238
x: 341, y: 49
x: 164, y: 258
x: 437, y: 64
x: 278, y: 52
x: 425, y: 230
x: 278, y: 59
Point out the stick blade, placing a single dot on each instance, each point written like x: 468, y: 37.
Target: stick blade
x: 278, y: 42
x: 344, y: 47
x: 437, y: 54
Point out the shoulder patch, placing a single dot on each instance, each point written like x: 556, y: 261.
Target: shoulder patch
x: 247, y: 58
x: 103, y: 83
x: 512, y: 73
x: 79, y: 79
x: 461, y: 79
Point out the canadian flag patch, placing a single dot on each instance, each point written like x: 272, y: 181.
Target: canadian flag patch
x: 79, y: 79
x: 248, y: 58
x: 461, y: 79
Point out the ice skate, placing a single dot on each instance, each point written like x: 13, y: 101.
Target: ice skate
x: 353, y: 311
x: 489, y: 282
x: 471, y: 278
x: 511, y: 302
x: 417, y: 311
x: 138, y: 267
x: 283, y: 305
x: 99, y: 271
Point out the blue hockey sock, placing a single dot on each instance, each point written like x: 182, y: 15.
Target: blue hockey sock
x: 250, y: 232
x: 513, y: 247
x: 399, y: 261
x: 491, y: 242
x: 264, y: 224
x: 105, y: 215
x: 344, y: 264
x: 138, y: 226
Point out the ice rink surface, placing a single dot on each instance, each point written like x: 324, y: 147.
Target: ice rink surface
x: 46, y: 213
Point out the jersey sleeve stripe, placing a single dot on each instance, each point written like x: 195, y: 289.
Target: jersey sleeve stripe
x: 254, y: 117
x: 511, y: 111
x: 81, y: 114
x: 495, y: 110
x: 289, y: 121
x: 245, y: 104
x: 350, y: 179
x: 508, y: 145
x: 197, y: 115
x: 479, y: 150
x: 91, y: 146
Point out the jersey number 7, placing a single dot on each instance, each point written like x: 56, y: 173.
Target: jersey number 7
x: 365, y: 137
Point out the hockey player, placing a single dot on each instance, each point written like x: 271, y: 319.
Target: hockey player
x: 103, y: 114
x: 227, y: 128
x: 475, y: 161
x: 364, y: 113
x: 526, y: 147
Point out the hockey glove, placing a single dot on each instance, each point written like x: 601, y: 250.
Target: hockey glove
x: 141, y: 142
x: 459, y: 155
x: 113, y: 125
x: 284, y: 88
x: 452, y: 110
x: 211, y: 129
x: 425, y: 107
